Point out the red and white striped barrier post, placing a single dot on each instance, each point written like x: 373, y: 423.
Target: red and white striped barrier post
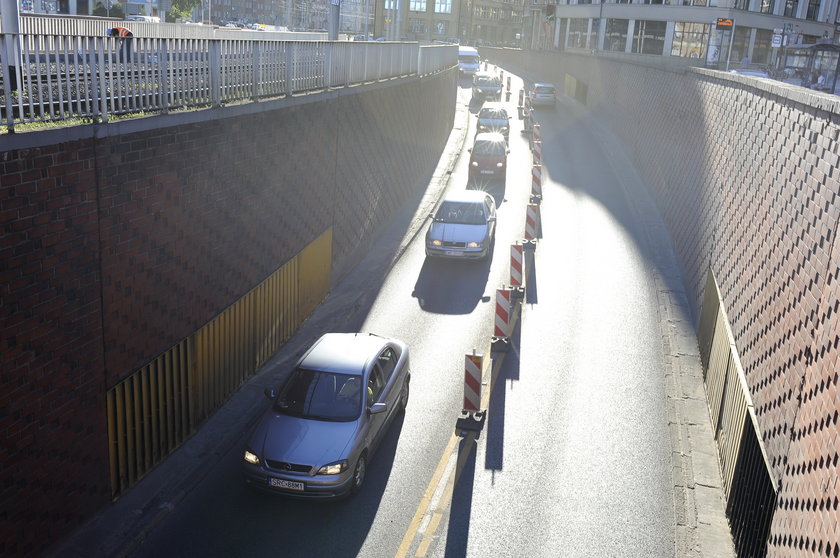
x: 502, y: 76
x: 501, y: 327
x: 472, y: 417
x: 529, y: 117
x: 536, y: 183
x: 535, y: 133
x: 538, y: 153
x: 517, y: 272
x: 473, y: 368
x: 508, y: 83
x: 521, y: 98
x: 532, y: 225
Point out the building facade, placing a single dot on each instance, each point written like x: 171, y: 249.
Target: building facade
x: 715, y: 33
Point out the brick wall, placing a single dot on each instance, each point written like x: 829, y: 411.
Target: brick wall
x: 746, y: 177
x: 122, y: 241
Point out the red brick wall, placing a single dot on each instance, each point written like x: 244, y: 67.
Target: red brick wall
x: 113, y: 249
x: 747, y: 180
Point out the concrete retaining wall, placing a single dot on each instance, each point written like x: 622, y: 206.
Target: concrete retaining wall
x: 120, y: 240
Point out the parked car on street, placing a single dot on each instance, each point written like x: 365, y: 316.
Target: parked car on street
x: 488, y: 155
x: 486, y: 85
x: 463, y: 227
x: 493, y: 117
x: 328, y: 417
x: 543, y: 94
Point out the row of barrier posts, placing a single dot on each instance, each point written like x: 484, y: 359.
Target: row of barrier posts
x: 472, y: 416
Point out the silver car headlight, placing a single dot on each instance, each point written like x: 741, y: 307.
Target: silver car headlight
x: 500, y: 165
x: 251, y: 458
x: 333, y: 468
x: 436, y: 243
x: 473, y: 244
x: 474, y: 163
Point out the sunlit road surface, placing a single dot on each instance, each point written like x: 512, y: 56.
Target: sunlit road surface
x: 574, y: 456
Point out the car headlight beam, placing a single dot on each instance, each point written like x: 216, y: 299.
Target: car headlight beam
x: 473, y: 245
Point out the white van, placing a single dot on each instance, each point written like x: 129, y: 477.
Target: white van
x: 468, y: 61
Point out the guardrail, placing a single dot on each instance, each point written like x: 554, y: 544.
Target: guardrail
x: 62, y: 77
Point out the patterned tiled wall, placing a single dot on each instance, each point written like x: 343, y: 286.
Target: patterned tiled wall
x: 115, y: 248
x: 747, y: 179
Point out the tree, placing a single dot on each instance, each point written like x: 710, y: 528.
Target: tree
x: 181, y: 10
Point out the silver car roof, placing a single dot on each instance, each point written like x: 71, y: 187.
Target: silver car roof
x: 343, y: 353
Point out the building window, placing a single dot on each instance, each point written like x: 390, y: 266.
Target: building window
x: 417, y: 5
x: 417, y: 25
x: 577, y: 33
x: 615, y: 36
x: 740, y: 44
x: 790, y: 8
x: 690, y: 39
x: 443, y: 6
x: 766, y: 7
x: 441, y: 27
x: 592, y: 39
x: 649, y: 37
x: 390, y: 4
x: 742, y: 5
x: 762, y: 45
x: 813, y: 10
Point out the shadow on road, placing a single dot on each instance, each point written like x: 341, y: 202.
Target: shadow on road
x: 451, y: 287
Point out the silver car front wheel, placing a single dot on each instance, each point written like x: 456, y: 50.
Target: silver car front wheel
x: 359, y: 474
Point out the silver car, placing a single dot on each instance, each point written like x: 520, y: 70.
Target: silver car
x: 464, y: 226
x: 328, y: 417
x: 543, y: 94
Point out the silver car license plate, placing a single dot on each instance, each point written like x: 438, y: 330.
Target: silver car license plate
x: 453, y: 253
x: 280, y: 483
x: 486, y: 172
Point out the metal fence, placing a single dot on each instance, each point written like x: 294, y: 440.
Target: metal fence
x: 93, y: 78
x: 154, y: 410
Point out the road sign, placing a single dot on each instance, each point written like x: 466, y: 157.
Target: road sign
x: 777, y: 41
x: 725, y: 23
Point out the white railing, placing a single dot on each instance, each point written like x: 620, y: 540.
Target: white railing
x: 93, y: 78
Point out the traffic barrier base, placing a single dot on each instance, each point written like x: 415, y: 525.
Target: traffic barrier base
x: 517, y: 293
x: 499, y: 344
x: 470, y: 422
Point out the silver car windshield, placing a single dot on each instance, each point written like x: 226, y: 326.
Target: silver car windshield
x: 461, y: 213
x: 321, y: 396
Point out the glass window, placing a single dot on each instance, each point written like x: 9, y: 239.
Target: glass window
x: 465, y: 213
x: 592, y: 38
x: 388, y: 362
x: 615, y: 36
x: 577, y: 33
x: 416, y: 25
x: 761, y: 46
x: 441, y: 27
x: 690, y: 39
x: 813, y: 10
x: 740, y: 45
x: 790, y: 8
x: 320, y: 396
x: 742, y: 5
x: 417, y: 5
x: 766, y: 7
x: 649, y: 37
x: 443, y: 6
x: 375, y: 384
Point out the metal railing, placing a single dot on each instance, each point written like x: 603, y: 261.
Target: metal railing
x: 62, y: 77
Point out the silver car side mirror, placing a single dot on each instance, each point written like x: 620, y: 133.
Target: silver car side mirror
x: 271, y: 393
x: 377, y: 408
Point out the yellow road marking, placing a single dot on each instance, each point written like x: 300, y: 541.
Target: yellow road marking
x: 434, y: 484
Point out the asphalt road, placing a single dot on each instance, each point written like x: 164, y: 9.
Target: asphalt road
x: 574, y: 458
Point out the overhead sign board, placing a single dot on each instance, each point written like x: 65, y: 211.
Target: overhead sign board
x: 777, y: 41
x: 724, y: 23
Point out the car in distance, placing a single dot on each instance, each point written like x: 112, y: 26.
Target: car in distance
x: 488, y: 155
x: 493, y: 117
x: 486, y: 85
x: 468, y: 60
x: 326, y: 420
x: 543, y: 94
x: 463, y: 227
